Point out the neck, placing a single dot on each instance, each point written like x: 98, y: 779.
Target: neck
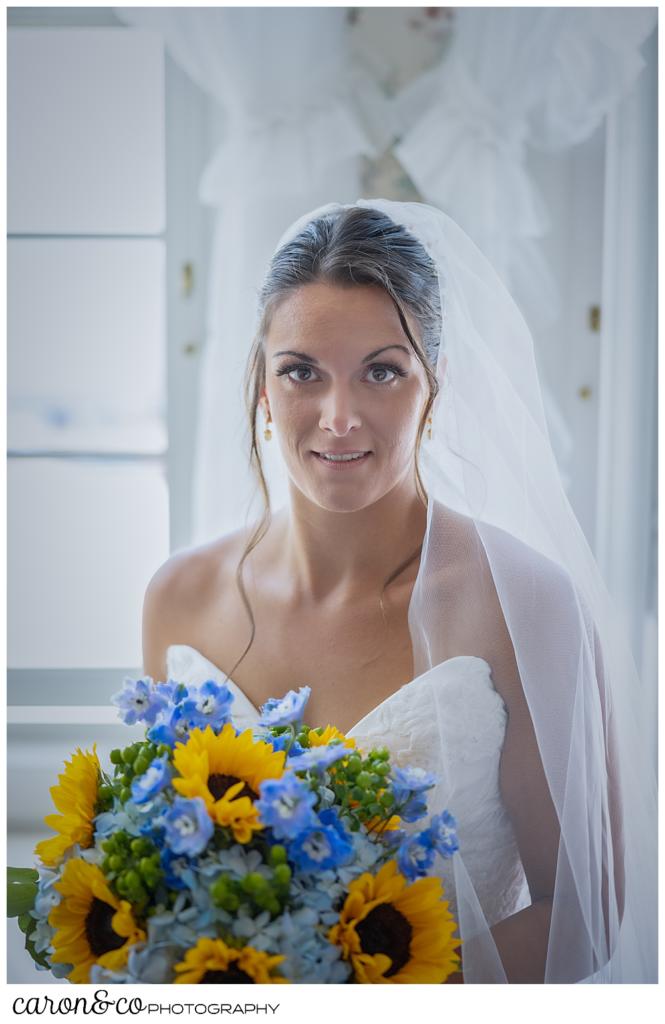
x: 336, y: 558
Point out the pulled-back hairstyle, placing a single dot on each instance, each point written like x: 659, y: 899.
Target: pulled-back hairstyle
x: 346, y: 247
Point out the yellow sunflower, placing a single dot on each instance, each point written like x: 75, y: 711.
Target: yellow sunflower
x: 320, y: 739
x: 75, y: 797
x: 226, y: 771
x: 212, y: 962
x: 395, y: 933
x: 92, y: 925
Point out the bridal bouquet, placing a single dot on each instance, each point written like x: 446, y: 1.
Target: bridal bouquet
x: 208, y: 855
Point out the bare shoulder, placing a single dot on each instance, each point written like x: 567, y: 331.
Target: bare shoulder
x: 182, y: 591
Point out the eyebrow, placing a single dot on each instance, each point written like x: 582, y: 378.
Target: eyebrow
x: 315, y: 362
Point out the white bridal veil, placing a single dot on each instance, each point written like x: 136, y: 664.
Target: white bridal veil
x: 490, y: 459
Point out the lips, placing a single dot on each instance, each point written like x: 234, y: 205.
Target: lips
x: 342, y: 464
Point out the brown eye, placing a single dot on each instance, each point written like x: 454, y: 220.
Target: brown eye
x: 386, y: 368
x: 295, y: 368
x: 300, y: 369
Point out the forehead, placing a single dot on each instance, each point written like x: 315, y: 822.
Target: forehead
x: 319, y: 313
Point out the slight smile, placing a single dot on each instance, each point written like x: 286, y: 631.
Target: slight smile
x: 342, y: 460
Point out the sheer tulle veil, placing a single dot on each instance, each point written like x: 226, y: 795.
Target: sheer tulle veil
x: 490, y: 460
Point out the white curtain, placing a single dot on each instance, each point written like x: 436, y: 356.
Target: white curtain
x: 292, y: 141
x: 514, y: 77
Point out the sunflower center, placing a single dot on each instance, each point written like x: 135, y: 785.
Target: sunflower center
x: 233, y: 975
x: 218, y: 785
x: 99, y: 933
x: 385, y: 930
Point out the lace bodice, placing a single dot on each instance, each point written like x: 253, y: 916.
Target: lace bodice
x: 450, y: 721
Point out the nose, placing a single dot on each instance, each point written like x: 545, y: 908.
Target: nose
x: 338, y: 415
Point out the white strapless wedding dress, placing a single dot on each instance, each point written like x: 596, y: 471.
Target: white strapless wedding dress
x: 411, y: 725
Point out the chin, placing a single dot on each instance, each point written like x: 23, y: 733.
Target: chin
x: 354, y: 500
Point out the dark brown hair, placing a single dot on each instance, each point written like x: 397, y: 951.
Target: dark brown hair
x: 346, y: 247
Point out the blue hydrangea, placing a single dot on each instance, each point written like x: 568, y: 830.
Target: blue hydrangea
x: 288, y: 710
x: 318, y: 758
x: 286, y: 805
x: 325, y: 845
x: 442, y: 834
x: 237, y: 861
x: 415, y: 857
x: 138, y: 701
x: 153, y: 781
x: 210, y: 704
x: 188, y: 826
x: 310, y: 958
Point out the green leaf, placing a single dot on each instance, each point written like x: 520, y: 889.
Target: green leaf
x: 22, y: 875
x: 21, y: 890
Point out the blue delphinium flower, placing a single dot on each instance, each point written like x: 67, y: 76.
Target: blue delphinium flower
x: 325, y: 845
x: 442, y: 834
x: 172, y: 726
x: 153, y: 781
x: 408, y: 788
x: 286, y: 805
x: 138, y: 701
x: 287, y: 710
x: 412, y: 780
x: 210, y: 704
x: 188, y: 826
x: 413, y: 809
x: 172, y: 691
x: 415, y: 857
x: 318, y: 758
x: 281, y: 742
x: 173, y: 865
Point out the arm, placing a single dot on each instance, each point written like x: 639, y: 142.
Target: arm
x: 522, y: 939
x: 167, y: 607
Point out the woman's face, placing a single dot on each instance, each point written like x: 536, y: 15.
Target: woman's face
x: 341, y: 377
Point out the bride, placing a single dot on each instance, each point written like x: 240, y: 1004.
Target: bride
x: 429, y: 581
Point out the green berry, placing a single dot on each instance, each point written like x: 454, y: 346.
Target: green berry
x: 125, y: 794
x: 387, y: 799
x: 364, y: 779
x: 116, y: 862
x: 282, y: 874
x: 128, y: 755
x: 278, y: 854
x: 116, y: 756
x: 230, y: 902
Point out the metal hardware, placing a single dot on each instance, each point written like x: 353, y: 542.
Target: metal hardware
x: 191, y: 348
x: 584, y: 393
x: 594, y: 318
x: 187, y: 279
